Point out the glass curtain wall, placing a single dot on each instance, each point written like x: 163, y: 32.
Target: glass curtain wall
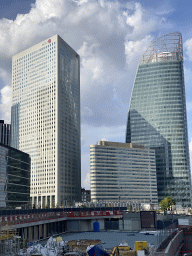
x: 157, y: 115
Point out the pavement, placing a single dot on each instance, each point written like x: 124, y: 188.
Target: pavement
x: 112, y: 238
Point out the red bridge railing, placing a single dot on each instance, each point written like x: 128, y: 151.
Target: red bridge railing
x: 35, y: 217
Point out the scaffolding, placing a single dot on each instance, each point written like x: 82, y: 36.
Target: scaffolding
x: 9, y: 240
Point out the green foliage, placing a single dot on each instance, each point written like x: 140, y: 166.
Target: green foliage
x: 83, y: 206
x: 170, y: 201
x: 163, y: 204
x: 130, y: 208
x: 167, y: 203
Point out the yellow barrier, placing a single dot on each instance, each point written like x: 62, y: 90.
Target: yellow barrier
x: 141, y: 245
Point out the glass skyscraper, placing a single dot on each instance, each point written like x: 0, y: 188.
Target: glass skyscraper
x: 45, y: 119
x: 157, y: 115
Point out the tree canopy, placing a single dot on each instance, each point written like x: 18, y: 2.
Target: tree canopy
x: 166, y: 203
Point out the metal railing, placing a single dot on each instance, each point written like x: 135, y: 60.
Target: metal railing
x: 164, y: 234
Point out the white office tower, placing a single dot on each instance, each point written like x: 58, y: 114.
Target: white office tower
x: 123, y: 171
x: 45, y: 118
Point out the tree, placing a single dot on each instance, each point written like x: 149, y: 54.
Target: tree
x: 163, y: 204
x: 83, y: 206
x: 170, y: 202
x: 167, y: 203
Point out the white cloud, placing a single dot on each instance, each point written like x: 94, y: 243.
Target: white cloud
x: 110, y: 37
x: 135, y: 19
x: 5, y: 105
x: 164, y: 7
x: 188, y: 76
x: 5, y: 92
x: 79, y: 2
x: 135, y: 49
x: 189, y: 106
x: 188, y: 47
x: 190, y: 148
x: 86, y: 181
x: 106, y: 34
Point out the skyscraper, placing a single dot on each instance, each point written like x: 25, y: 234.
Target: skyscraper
x: 45, y: 118
x: 5, y: 133
x: 157, y: 115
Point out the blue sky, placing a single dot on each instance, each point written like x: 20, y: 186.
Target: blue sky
x: 110, y: 37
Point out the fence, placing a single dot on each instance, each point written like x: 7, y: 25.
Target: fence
x: 163, y: 234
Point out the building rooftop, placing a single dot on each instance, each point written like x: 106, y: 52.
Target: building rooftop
x: 118, y: 144
x: 166, y: 47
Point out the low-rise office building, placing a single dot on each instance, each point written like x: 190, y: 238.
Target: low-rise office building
x: 85, y: 195
x: 14, y: 177
x: 122, y: 172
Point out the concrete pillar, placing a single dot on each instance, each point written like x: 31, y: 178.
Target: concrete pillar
x: 36, y: 232
x: 49, y: 229
x: 25, y: 233
x: 45, y: 231
x: 54, y: 227
x: 60, y: 227
x: 64, y: 226
x: 31, y: 233
x: 40, y: 232
x: 22, y: 233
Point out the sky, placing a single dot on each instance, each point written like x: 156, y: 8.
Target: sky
x: 110, y: 37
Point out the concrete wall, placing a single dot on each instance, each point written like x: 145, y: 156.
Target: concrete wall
x: 73, y: 225
x: 131, y: 215
x: 85, y: 225
x: 132, y: 225
x: 131, y: 221
x: 121, y: 224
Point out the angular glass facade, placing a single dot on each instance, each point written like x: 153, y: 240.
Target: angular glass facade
x: 157, y: 116
x: 46, y: 119
x: 14, y: 177
x: 122, y: 171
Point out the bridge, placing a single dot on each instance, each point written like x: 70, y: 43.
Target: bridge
x: 35, y: 224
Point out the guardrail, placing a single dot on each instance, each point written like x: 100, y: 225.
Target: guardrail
x: 11, y: 220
